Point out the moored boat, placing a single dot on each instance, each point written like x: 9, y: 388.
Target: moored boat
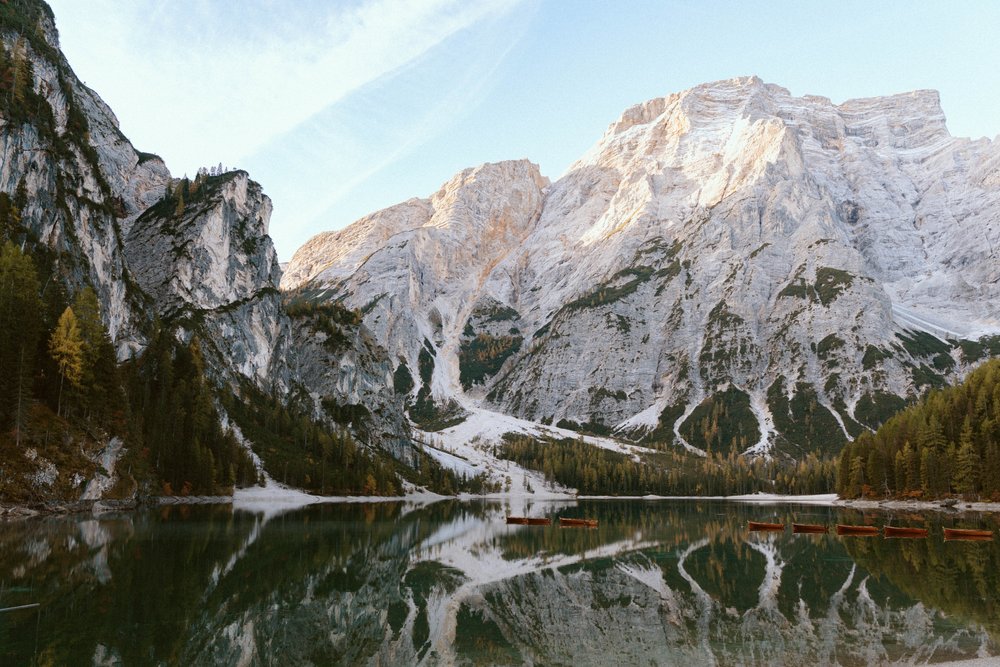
x: 763, y: 525
x: 809, y: 528
x: 581, y: 523
x: 860, y: 531
x: 528, y: 521
x: 967, y: 534
x: 902, y: 531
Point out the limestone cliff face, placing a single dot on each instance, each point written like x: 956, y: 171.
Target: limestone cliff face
x: 97, y: 204
x: 348, y: 377
x: 209, y: 264
x: 785, y: 262
x: 418, y: 271
x: 83, y: 182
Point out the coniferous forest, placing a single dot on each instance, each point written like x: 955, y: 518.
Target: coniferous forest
x: 596, y: 471
x: 65, y: 393
x: 947, y: 444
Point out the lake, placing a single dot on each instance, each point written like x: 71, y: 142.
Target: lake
x: 657, y: 583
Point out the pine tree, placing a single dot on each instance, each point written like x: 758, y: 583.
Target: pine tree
x: 928, y: 471
x: 899, y: 468
x: 66, y: 349
x: 10, y: 218
x: 912, y: 467
x: 20, y: 196
x: 99, y: 378
x: 966, y: 478
x: 844, y: 472
x: 20, y: 329
x: 931, y: 435
x: 857, y: 476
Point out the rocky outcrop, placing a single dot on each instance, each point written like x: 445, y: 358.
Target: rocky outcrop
x: 786, y: 266
x: 99, y: 207
x: 349, y: 378
x: 207, y: 263
x: 193, y: 256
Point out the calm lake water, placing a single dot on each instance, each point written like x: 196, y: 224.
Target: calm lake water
x: 658, y: 583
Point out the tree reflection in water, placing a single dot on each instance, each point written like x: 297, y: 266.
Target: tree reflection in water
x: 656, y: 583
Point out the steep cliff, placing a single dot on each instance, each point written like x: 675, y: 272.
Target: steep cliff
x: 203, y: 256
x: 81, y: 182
x: 420, y: 270
x: 100, y: 208
x: 740, y: 267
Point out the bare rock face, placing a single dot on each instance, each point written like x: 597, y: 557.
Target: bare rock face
x: 416, y: 271
x: 193, y: 255
x: 209, y: 264
x: 81, y: 180
x: 729, y: 266
x: 348, y: 377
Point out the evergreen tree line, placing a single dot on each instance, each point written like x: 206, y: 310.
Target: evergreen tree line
x: 948, y: 444
x: 18, y: 99
x: 300, y: 451
x: 596, y: 471
x: 57, y: 356
x: 175, y: 425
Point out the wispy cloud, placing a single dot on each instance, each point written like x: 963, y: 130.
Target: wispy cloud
x: 215, y: 81
x: 340, y: 149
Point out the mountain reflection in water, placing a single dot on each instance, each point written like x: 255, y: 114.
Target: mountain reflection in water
x: 663, y: 583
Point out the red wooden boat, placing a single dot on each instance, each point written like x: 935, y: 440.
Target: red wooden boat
x: 860, y: 531
x: 967, y: 534
x: 580, y: 523
x: 901, y: 531
x: 763, y: 525
x: 809, y: 528
x: 528, y: 521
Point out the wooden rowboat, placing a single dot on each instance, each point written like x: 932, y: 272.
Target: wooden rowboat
x: 763, y: 525
x: 581, y: 523
x: 528, y: 521
x: 900, y: 531
x: 860, y: 531
x: 967, y: 534
x: 809, y: 528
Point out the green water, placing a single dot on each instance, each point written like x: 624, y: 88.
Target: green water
x: 658, y: 583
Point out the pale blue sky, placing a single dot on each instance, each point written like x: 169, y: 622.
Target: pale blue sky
x: 339, y: 109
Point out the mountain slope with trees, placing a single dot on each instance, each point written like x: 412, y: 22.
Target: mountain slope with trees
x: 947, y: 444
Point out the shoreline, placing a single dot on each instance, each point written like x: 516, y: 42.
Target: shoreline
x: 270, y: 499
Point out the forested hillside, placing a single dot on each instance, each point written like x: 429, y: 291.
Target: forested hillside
x: 949, y: 443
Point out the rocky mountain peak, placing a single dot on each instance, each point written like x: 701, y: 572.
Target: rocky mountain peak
x: 488, y: 206
x: 903, y: 121
x: 709, y: 124
x: 727, y: 250
x: 488, y: 196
